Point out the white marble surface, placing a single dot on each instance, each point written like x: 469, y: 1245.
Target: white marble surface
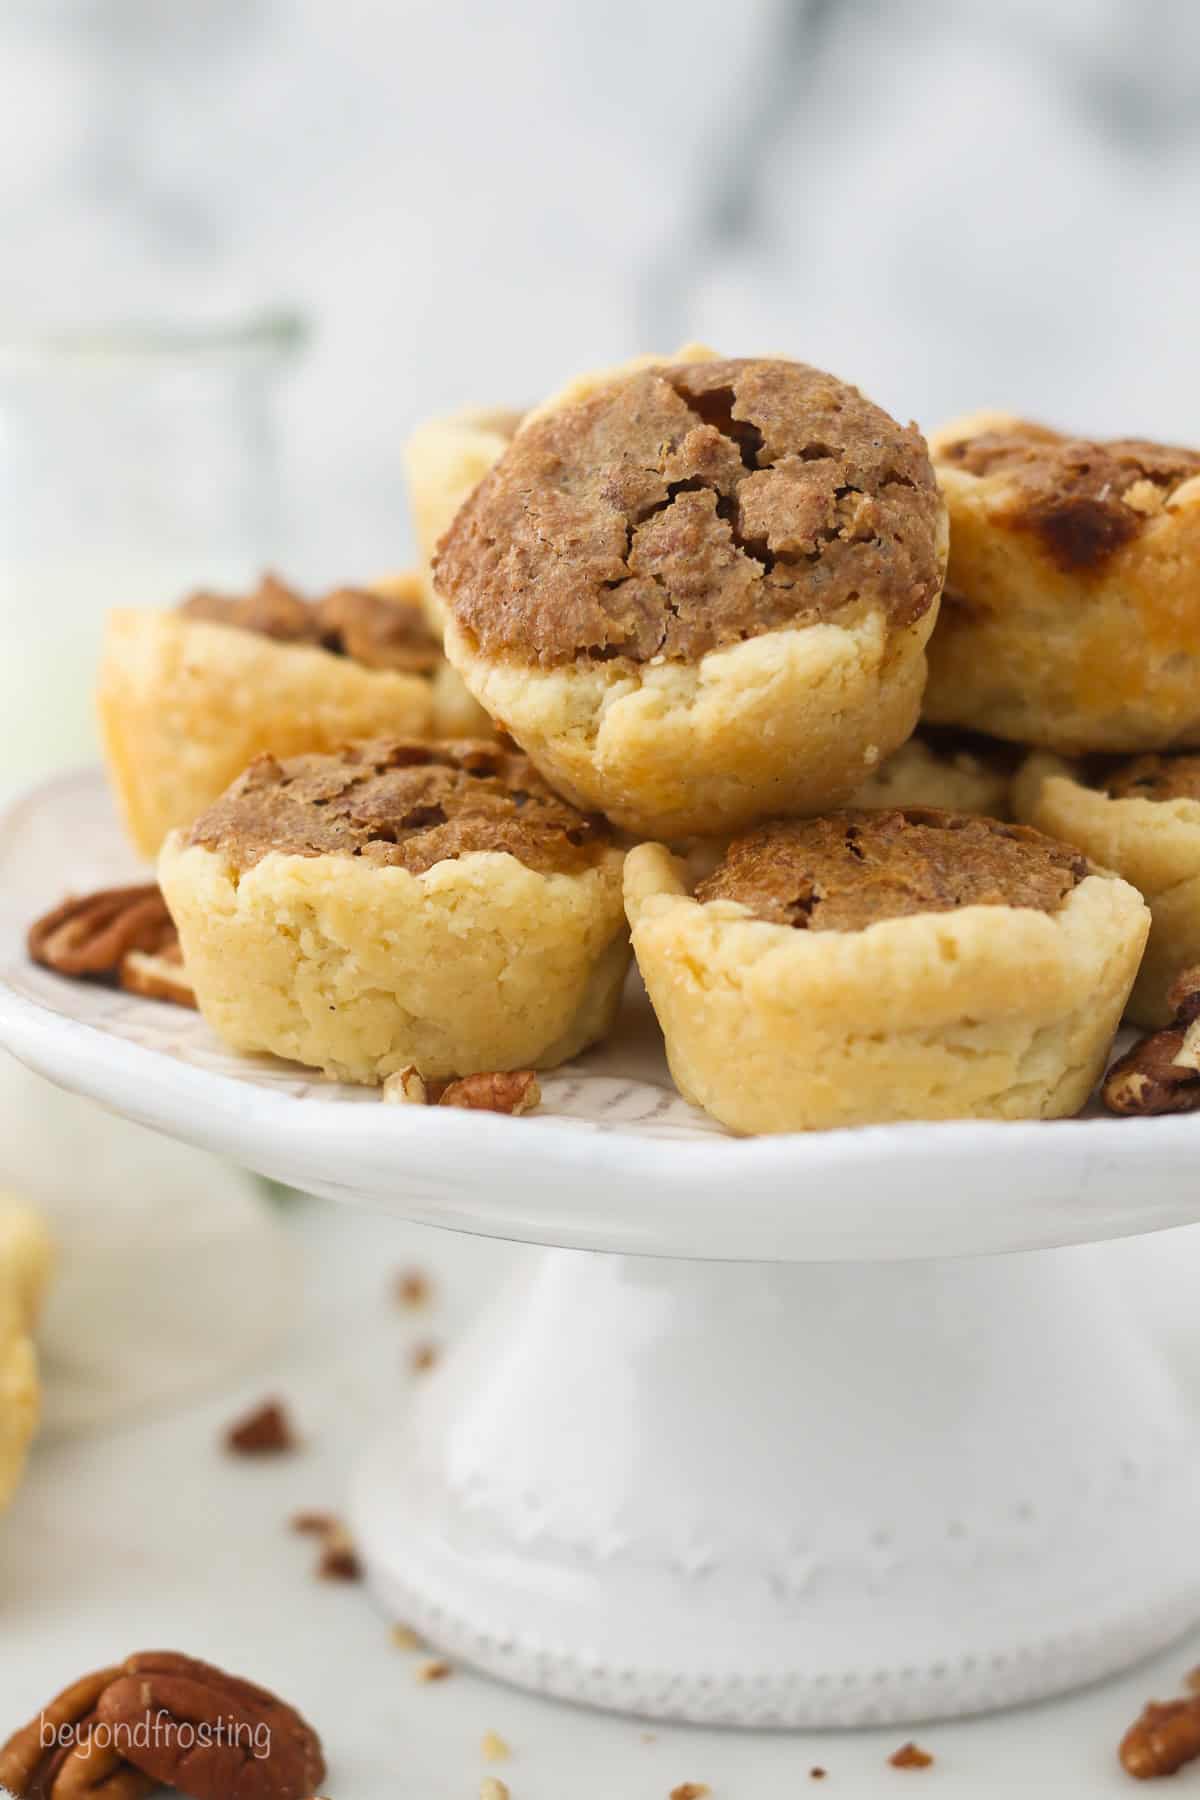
x: 952, y: 202
x: 149, y: 1536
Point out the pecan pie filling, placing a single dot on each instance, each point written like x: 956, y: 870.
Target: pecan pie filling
x: 852, y: 869
x: 401, y: 804
x: 1084, y: 500
x: 687, y: 507
x: 365, y: 627
x: 1155, y: 775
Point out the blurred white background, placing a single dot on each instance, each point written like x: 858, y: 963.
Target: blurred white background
x: 952, y: 202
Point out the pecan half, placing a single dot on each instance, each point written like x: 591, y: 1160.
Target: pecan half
x: 1165, y: 1738
x: 209, y: 1734
x: 1161, y: 1074
x: 90, y: 934
x: 507, y: 1091
x: 56, y: 1756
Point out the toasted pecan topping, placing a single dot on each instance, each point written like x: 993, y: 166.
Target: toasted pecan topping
x: 1152, y: 776
x: 400, y: 803
x: 851, y: 869
x: 1083, y: 500
x: 374, y: 629
x: 686, y: 507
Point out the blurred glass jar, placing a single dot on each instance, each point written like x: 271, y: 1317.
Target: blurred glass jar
x: 134, y: 466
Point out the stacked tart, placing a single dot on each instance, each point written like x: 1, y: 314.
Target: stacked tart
x: 886, y: 753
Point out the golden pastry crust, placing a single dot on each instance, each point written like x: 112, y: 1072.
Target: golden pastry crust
x: 989, y: 1011
x: 360, y: 967
x: 1071, y: 616
x: 445, y: 459
x: 25, y: 1263
x: 771, y: 689
x: 959, y: 772
x: 185, y: 703
x: 1153, y: 843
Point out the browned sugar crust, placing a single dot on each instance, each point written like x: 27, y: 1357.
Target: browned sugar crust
x: 850, y: 869
x: 368, y: 628
x: 684, y: 508
x: 1083, y: 500
x: 400, y: 804
x: 1153, y: 776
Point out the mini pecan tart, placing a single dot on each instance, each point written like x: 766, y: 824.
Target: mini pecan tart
x: 26, y: 1258
x: 698, y: 592
x: 187, y: 698
x: 1139, y: 815
x: 1071, y: 617
x: 867, y: 967
x: 445, y: 459
x: 958, y: 771
x: 400, y: 905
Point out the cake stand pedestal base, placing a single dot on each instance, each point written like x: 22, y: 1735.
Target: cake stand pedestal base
x: 793, y: 1495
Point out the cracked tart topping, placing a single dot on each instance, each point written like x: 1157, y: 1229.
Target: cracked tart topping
x: 403, y: 804
x: 686, y: 507
x: 850, y: 869
x: 1083, y: 500
x: 368, y: 628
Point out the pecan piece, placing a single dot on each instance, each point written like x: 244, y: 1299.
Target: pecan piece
x: 1165, y: 1738
x: 157, y: 976
x: 209, y: 1734
x: 54, y: 1757
x: 1161, y: 1074
x: 90, y: 934
x: 267, y: 1431
x: 506, y: 1091
x: 405, y: 1088
x: 910, y: 1756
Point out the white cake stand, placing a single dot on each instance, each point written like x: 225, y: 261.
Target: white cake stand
x: 774, y: 1458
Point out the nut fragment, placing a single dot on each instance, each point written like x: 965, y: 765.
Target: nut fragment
x: 690, y: 1790
x: 267, y: 1431
x: 339, y: 1559
x: 1163, y: 1739
x: 405, y: 1638
x: 494, y: 1748
x: 422, y: 1358
x: 1184, y: 997
x: 492, y: 1789
x: 90, y: 934
x: 1161, y: 1074
x: 60, y: 1755
x: 405, y: 1088
x: 910, y: 1756
x: 436, y: 1670
x: 314, y: 1524
x: 414, y: 1289
x: 210, y: 1734
x: 506, y: 1091
x: 160, y: 976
